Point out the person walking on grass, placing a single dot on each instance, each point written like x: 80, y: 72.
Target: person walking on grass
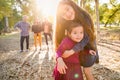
x: 24, y: 28
x: 47, y: 26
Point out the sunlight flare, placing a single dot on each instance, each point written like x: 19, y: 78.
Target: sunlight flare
x: 48, y: 7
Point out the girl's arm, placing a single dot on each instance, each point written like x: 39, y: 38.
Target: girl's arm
x: 78, y: 47
x: 61, y: 66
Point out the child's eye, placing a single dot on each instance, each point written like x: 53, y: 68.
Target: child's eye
x: 75, y: 33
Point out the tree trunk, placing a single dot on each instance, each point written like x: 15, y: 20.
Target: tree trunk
x: 79, y: 3
x: 97, y: 20
x: 6, y: 27
x: 82, y: 3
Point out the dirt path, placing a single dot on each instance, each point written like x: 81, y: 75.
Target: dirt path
x: 32, y: 65
x: 38, y: 65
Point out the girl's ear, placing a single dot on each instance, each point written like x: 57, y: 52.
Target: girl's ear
x: 66, y: 32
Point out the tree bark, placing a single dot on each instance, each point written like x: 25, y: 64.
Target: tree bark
x: 97, y: 19
x: 82, y: 3
x: 79, y: 3
x: 6, y: 27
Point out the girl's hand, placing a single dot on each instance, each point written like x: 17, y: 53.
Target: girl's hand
x: 61, y: 66
x: 92, y: 52
x: 67, y: 53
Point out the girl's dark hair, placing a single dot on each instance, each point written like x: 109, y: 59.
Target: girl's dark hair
x: 81, y: 16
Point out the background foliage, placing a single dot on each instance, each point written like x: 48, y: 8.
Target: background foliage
x: 109, y: 13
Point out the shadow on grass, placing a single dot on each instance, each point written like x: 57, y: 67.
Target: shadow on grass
x: 113, y: 46
x: 41, y: 68
x: 103, y: 73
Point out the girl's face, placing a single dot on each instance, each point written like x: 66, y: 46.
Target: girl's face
x: 77, y: 34
x: 67, y: 12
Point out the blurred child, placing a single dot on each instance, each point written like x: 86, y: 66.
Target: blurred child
x: 36, y: 28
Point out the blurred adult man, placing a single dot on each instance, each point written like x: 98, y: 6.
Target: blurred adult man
x: 24, y: 28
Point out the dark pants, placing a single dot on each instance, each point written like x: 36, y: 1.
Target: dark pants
x: 22, y: 41
x: 46, y: 38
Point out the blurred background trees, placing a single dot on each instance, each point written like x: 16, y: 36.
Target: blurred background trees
x: 103, y: 14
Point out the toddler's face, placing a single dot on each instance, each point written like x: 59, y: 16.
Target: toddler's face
x: 77, y: 34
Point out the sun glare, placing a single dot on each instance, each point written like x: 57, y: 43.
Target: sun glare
x: 47, y: 7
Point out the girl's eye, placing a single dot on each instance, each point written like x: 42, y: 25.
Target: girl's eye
x: 67, y: 8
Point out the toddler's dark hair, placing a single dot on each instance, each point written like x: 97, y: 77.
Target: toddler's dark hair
x: 73, y: 25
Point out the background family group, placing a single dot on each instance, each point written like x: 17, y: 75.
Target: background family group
x: 38, y: 27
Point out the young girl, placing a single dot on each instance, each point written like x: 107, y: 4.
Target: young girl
x: 68, y: 11
x: 75, y: 34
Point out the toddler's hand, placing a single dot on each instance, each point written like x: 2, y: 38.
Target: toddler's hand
x: 61, y: 66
